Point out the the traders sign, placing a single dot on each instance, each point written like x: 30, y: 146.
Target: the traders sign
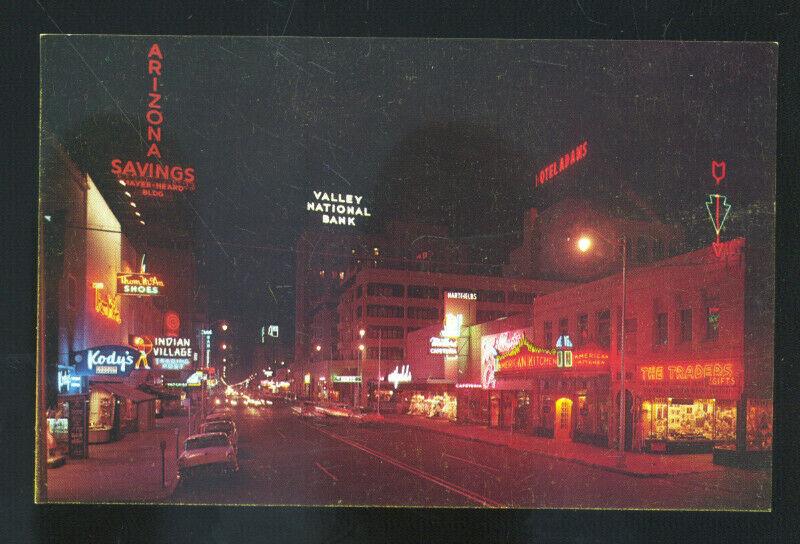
x: 443, y: 346
x: 716, y: 372
x: 335, y: 378
x: 137, y: 283
x: 112, y: 360
x: 338, y: 208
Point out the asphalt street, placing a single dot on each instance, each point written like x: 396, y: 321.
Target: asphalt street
x: 285, y: 460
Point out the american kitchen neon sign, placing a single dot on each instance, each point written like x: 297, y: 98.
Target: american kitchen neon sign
x: 525, y: 356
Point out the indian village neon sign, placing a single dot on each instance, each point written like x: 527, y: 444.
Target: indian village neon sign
x: 154, y: 179
x: 526, y: 356
x: 562, y: 163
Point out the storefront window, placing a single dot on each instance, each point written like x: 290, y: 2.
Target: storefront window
x: 101, y: 410
x: 689, y: 420
x: 433, y: 406
x: 725, y: 423
x: 654, y: 419
x: 759, y: 424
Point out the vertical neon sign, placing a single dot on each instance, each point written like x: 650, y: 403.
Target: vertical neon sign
x: 719, y: 203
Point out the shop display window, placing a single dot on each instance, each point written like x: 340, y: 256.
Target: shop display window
x: 433, y: 406
x: 725, y: 423
x: 101, y: 411
x: 654, y: 419
x: 759, y: 424
x: 690, y: 419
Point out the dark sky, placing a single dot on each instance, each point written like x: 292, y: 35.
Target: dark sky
x: 264, y: 121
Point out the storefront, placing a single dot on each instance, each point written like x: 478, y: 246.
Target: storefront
x: 426, y: 399
x: 472, y: 402
x: 555, y: 393
x: 116, y: 409
x: 686, y: 407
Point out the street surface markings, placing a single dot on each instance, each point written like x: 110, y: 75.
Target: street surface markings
x: 455, y: 488
x: 326, y: 471
x: 484, y: 467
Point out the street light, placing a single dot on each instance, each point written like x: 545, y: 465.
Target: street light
x: 584, y: 244
x: 224, y: 326
x: 361, y: 348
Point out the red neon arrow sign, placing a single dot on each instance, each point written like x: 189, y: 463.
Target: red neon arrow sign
x: 715, y: 216
x: 718, y: 171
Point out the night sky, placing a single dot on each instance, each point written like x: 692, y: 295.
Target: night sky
x: 451, y: 131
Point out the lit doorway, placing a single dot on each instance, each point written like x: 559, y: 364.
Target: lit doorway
x: 563, y: 422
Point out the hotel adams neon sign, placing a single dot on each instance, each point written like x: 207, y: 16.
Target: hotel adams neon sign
x: 525, y: 357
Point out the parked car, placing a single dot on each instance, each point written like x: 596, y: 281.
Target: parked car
x: 365, y: 416
x: 207, y: 453
x: 222, y: 426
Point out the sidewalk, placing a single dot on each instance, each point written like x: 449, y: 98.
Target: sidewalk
x: 128, y: 470
x: 642, y: 465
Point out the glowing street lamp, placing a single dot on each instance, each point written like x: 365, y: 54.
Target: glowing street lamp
x: 224, y: 327
x: 318, y: 348
x: 224, y: 346
x: 584, y: 244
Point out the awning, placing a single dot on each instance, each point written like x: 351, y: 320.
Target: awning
x: 122, y: 390
x: 161, y: 393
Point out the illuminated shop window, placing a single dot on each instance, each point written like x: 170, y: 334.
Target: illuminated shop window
x: 712, y: 322
x: 759, y: 424
x: 101, y: 410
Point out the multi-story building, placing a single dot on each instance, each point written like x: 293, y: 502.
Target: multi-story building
x: 692, y: 382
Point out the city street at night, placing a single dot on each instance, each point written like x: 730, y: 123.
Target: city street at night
x: 288, y: 461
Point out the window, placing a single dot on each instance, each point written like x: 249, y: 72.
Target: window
x: 658, y: 249
x: 686, y: 325
x: 660, y: 330
x: 520, y: 298
x: 563, y: 326
x: 712, y: 322
x: 384, y: 290
x: 423, y: 312
x: 641, y: 250
x: 604, y: 328
x: 630, y: 333
x: 491, y: 296
x: 423, y: 291
x: 321, y: 273
x: 341, y: 275
x: 358, y: 311
x: 359, y: 291
x: 378, y: 310
x: 583, y: 330
x: 548, y: 334
x: 387, y: 353
x: 384, y: 332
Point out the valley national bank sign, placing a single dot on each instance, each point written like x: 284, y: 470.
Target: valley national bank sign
x: 338, y: 208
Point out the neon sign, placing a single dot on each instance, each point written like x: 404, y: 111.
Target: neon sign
x: 469, y: 386
x: 398, y: 376
x: 106, y: 304
x: 452, y: 325
x: 565, y: 161
x: 112, y: 360
x: 335, y: 378
x: 153, y: 178
x: 463, y: 296
x: 525, y: 356
x: 719, y: 203
x: 443, y: 346
x: 139, y: 283
x: 712, y: 373
x: 338, y: 209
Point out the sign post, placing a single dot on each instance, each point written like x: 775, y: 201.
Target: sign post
x: 163, y: 472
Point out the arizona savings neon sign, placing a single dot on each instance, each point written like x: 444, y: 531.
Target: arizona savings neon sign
x: 565, y: 161
x: 153, y: 178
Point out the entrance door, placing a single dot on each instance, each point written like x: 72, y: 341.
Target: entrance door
x: 563, y: 422
x: 494, y: 409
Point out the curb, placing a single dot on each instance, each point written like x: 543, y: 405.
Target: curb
x: 607, y: 468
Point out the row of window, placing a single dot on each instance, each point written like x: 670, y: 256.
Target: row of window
x: 660, y: 329
x: 412, y: 312
x: 423, y: 291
